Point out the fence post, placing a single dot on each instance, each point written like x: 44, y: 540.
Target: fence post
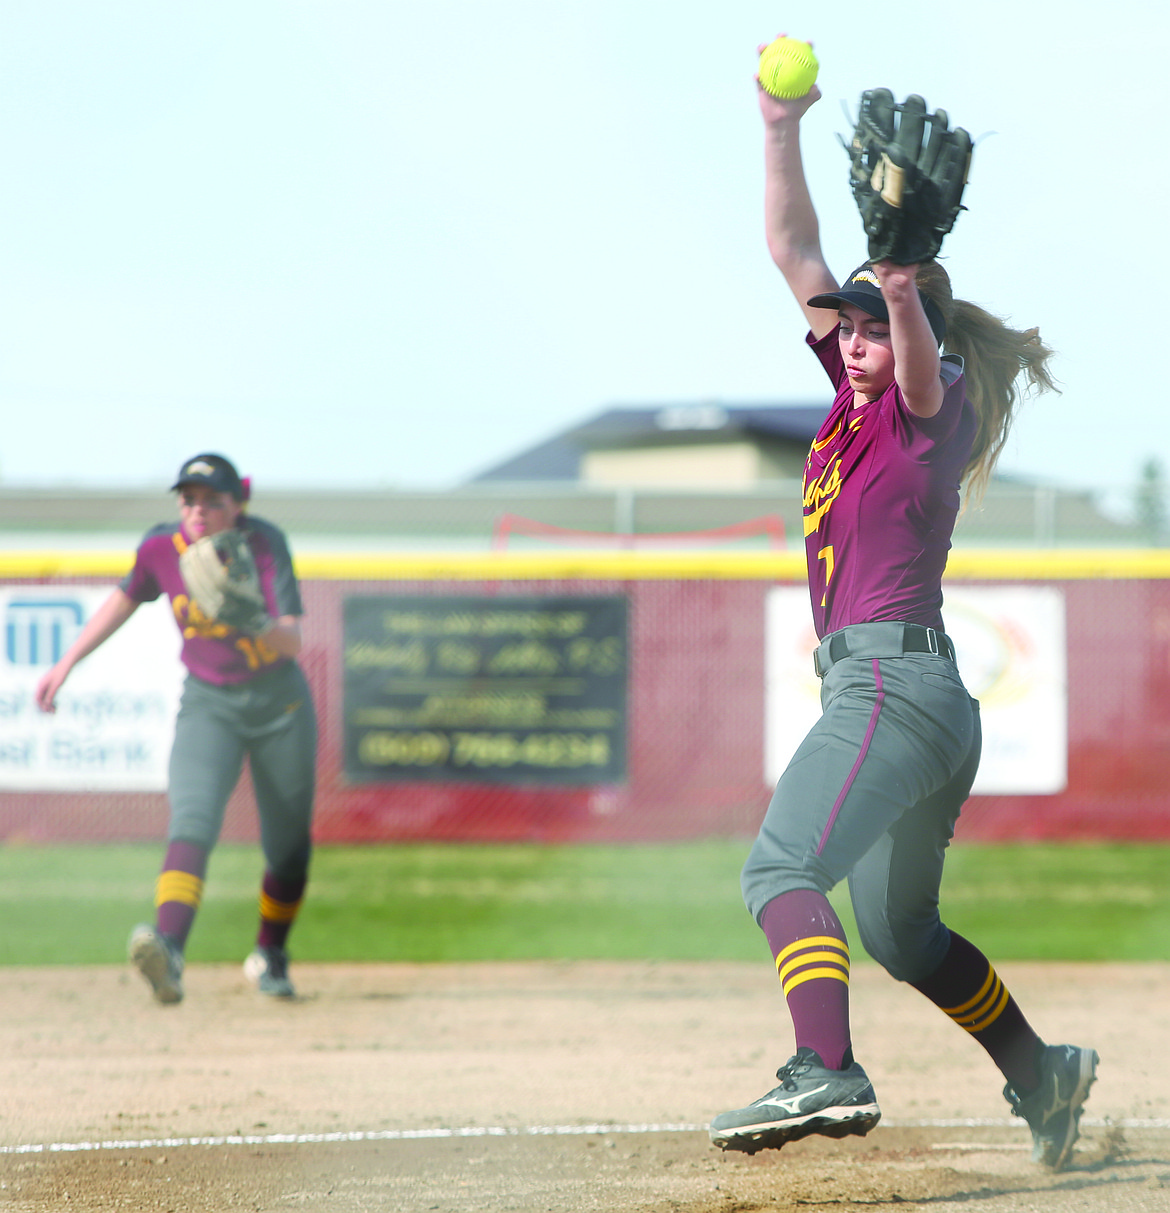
x: 623, y: 511
x: 1044, y: 512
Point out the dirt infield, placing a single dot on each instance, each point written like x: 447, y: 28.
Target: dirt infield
x: 543, y: 1087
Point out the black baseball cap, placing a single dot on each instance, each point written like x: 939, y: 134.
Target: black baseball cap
x: 214, y: 471
x: 862, y: 290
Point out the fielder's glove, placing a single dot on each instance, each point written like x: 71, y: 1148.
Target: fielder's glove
x: 908, y: 189
x: 220, y: 574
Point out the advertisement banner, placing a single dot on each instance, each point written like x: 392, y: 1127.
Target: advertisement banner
x: 515, y: 690
x: 114, y: 722
x: 1010, y: 647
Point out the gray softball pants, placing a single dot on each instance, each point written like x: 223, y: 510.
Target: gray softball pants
x: 873, y: 794
x: 271, y: 720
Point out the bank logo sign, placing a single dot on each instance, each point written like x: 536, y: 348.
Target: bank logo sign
x: 114, y: 721
x: 37, y: 631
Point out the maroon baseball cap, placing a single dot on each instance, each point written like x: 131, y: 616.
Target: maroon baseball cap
x: 862, y: 290
x: 215, y: 472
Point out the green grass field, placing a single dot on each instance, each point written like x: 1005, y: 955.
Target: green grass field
x: 76, y: 905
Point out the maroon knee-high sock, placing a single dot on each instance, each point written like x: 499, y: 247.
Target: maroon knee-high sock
x: 279, y: 902
x: 179, y: 890
x: 812, y: 960
x: 968, y: 989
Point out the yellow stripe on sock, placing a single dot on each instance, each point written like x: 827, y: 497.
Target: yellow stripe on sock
x: 984, y: 990
x: 828, y: 955
x: 830, y: 941
x: 987, y: 1013
x: 182, y: 887
x: 986, y: 1020
x: 277, y: 911
x: 810, y: 974
x: 838, y: 959
x: 985, y: 1008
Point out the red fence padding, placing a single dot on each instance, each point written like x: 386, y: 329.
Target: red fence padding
x: 696, y: 733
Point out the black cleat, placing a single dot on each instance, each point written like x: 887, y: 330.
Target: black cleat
x: 810, y: 1099
x: 159, y: 961
x: 267, y: 970
x: 1053, y: 1110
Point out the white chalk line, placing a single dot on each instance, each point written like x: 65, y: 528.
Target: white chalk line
x: 284, y: 1139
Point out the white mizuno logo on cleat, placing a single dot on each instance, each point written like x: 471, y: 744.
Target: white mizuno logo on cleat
x: 1056, y: 1105
x: 791, y: 1106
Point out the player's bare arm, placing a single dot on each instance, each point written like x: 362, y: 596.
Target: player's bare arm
x: 916, y: 356
x: 101, y: 625
x: 284, y: 636
x: 791, y: 224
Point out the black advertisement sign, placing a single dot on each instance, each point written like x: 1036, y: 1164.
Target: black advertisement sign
x: 515, y: 690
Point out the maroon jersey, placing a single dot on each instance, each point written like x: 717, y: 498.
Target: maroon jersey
x: 212, y: 651
x: 881, y: 494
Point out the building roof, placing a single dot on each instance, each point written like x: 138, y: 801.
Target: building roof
x: 559, y: 457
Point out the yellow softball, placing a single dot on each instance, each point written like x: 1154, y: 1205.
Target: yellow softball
x: 788, y: 68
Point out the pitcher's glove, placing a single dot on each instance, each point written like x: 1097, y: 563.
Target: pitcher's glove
x: 220, y: 574
x: 908, y: 189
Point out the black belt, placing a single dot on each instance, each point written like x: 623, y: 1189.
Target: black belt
x: 883, y: 639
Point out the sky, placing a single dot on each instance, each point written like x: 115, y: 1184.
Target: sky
x: 391, y: 243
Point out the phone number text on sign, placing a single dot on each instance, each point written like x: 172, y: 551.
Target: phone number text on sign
x: 485, y: 689
x: 485, y: 749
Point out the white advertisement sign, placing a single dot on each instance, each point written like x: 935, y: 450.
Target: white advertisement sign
x: 1010, y: 647
x: 115, y: 715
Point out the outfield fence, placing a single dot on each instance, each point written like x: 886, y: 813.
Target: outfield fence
x: 610, y: 696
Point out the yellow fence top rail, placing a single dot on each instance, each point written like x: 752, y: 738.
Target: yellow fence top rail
x: 1048, y: 564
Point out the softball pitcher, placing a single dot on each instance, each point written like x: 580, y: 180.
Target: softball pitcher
x: 873, y: 793
x: 244, y: 694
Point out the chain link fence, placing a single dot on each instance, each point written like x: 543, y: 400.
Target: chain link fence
x: 1012, y: 514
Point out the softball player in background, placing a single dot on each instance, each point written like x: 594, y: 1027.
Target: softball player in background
x: 874, y: 791
x: 242, y: 695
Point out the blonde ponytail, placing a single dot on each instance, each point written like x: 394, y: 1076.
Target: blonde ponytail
x: 1002, y: 364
